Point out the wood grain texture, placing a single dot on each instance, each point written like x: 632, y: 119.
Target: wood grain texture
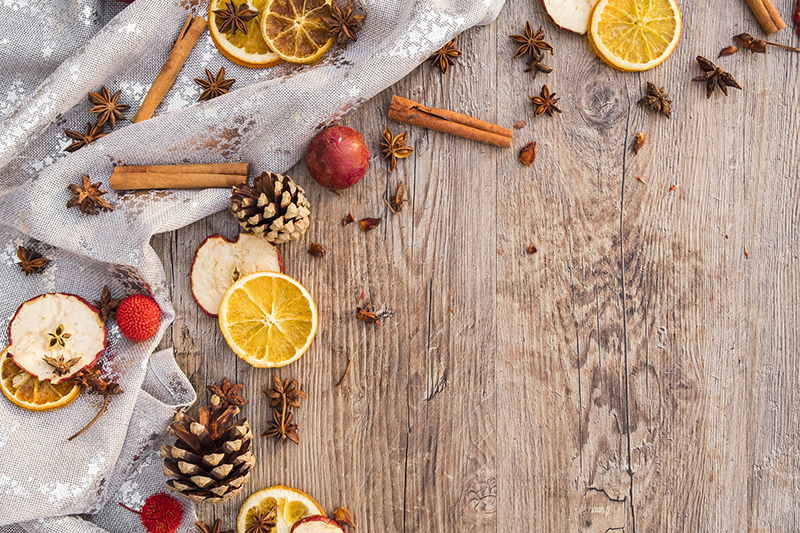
x: 638, y: 373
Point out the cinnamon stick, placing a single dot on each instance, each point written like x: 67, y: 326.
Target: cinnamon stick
x: 125, y: 178
x: 190, y: 33
x: 410, y: 112
x: 767, y: 15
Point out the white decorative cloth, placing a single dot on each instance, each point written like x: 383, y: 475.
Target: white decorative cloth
x: 54, y: 52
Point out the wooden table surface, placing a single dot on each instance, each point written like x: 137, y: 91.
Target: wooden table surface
x: 638, y: 373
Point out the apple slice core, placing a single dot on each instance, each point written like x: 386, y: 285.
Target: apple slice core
x: 219, y: 262
x: 570, y: 15
x: 60, y: 327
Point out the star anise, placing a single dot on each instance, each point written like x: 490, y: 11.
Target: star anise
x: 234, y: 18
x: 228, y: 393
x: 545, y: 102
x: 264, y: 521
x: 60, y: 366
x: 93, y: 132
x: 536, y: 66
x: 106, y: 305
x: 532, y: 42
x: 215, y: 85
x: 343, y: 22
x: 88, y: 197
x: 31, y: 261
x: 216, y: 528
x: 107, y: 106
x: 714, y: 76
x: 394, y: 148
x: 288, y: 390
x: 282, y: 427
x: 657, y: 99
x: 58, y: 337
x: 445, y: 56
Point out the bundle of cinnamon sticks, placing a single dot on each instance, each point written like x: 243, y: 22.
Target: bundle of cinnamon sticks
x: 767, y: 15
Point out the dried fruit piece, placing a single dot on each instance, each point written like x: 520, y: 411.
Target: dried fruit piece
x: 60, y: 326
x: 528, y: 153
x: 297, y: 30
x: 29, y: 393
x: 219, y: 262
x: 291, y: 505
x: 570, y: 15
x: 317, y: 524
x: 337, y: 157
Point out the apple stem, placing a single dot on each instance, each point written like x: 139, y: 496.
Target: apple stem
x: 98, y: 415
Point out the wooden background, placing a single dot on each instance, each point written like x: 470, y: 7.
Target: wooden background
x: 638, y: 373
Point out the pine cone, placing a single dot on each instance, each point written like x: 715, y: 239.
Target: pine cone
x: 275, y: 207
x: 212, y: 458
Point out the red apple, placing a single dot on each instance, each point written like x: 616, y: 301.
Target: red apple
x: 61, y: 327
x: 317, y: 524
x: 570, y: 15
x: 218, y: 262
x: 337, y: 158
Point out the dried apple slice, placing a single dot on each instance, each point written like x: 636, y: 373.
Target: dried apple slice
x: 56, y: 335
x: 317, y: 524
x: 219, y: 262
x: 570, y: 15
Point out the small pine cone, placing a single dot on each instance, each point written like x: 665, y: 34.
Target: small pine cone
x: 274, y: 207
x: 213, y: 455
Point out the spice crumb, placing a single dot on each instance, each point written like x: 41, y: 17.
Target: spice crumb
x: 640, y: 179
x: 452, y: 311
x: 674, y: 187
x: 519, y: 125
x: 746, y: 253
x: 532, y: 249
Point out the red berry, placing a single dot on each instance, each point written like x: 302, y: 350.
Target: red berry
x: 161, y: 513
x: 138, y: 317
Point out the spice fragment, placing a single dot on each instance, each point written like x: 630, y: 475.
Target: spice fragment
x: 365, y: 313
x: 640, y: 179
x: 674, y: 187
x: 369, y: 223
x: 346, y: 371
x: 348, y: 219
x: 316, y: 249
x: 344, y: 517
x: 639, y: 142
x: 728, y: 51
x: 396, y: 204
x: 532, y: 249
x: 746, y: 253
x: 519, y: 125
x: 528, y: 154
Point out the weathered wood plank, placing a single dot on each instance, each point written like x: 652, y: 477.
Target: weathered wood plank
x: 637, y: 373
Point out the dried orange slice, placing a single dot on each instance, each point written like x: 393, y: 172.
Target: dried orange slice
x: 246, y: 49
x: 296, y: 30
x: 268, y: 319
x: 291, y: 505
x: 29, y: 393
x: 634, y: 35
